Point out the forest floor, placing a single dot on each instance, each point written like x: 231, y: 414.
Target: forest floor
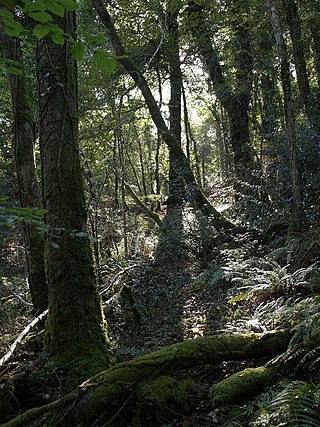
x: 185, y: 299
x: 241, y: 286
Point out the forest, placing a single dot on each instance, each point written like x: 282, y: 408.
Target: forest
x: 160, y: 213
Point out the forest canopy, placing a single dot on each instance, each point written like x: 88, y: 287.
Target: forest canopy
x: 159, y: 212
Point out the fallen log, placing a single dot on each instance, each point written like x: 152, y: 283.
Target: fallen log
x: 97, y: 400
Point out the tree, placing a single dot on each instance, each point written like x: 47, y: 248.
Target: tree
x: 217, y: 220
x: 297, y: 209
x: 24, y: 135
x: 176, y: 185
x: 293, y: 20
x: 75, y: 331
x: 236, y: 102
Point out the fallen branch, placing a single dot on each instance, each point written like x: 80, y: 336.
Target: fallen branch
x: 101, y: 395
x: 116, y: 277
x: 25, y: 332
x: 22, y: 300
x: 155, y: 217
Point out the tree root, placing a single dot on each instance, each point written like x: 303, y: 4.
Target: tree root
x: 98, y: 399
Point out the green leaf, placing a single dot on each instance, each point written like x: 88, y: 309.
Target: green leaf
x: 93, y: 38
x: 35, y: 7
x: 41, y: 212
x: 40, y: 31
x: 68, y: 4
x: 15, y: 71
x: 6, y: 15
x: 78, y: 51
x: 54, y: 245
x: 54, y: 7
x: 12, y: 32
x: 81, y: 234
x: 104, y: 61
x: 12, y: 27
x: 240, y: 298
x: 58, y: 39
x: 9, y: 4
x: 41, y: 16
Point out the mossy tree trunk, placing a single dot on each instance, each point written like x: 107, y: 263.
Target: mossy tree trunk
x: 235, y: 102
x: 176, y: 184
x: 24, y: 155
x: 75, y: 331
x: 294, y: 23
x: 297, y: 194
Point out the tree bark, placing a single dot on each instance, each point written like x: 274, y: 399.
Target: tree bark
x: 236, y: 103
x: 176, y: 184
x: 297, y: 209
x: 218, y: 221
x: 24, y: 155
x: 75, y: 332
x: 293, y: 20
x: 269, y: 106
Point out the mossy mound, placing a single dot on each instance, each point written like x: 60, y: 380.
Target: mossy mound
x: 242, y: 386
x: 165, y: 390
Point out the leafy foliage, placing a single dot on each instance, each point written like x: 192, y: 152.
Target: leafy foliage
x: 296, y: 405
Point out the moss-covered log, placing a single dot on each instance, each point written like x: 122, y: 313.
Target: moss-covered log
x: 243, y: 385
x: 102, y: 395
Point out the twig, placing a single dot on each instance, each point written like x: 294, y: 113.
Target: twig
x: 25, y: 332
x: 116, y: 415
x: 116, y: 277
x: 22, y: 300
x: 13, y: 295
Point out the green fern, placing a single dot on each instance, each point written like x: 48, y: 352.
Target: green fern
x: 296, y: 405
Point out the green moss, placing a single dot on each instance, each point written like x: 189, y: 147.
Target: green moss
x: 242, y: 385
x: 165, y: 389
x: 113, y: 385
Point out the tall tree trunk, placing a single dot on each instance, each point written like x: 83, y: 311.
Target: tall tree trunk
x: 157, y: 171
x: 221, y: 143
x: 143, y: 174
x: 217, y: 220
x: 297, y: 211
x: 190, y: 139
x: 158, y: 148
x: 293, y: 20
x: 186, y: 123
x: 176, y: 184
x: 115, y: 162
x: 236, y: 103
x: 24, y: 155
x: 315, y: 33
x: 75, y: 333
x: 269, y: 106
